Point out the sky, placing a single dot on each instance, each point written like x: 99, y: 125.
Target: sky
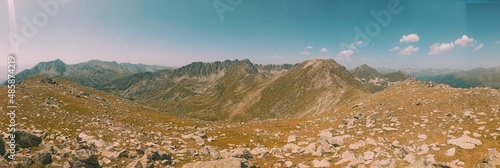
x: 457, y: 34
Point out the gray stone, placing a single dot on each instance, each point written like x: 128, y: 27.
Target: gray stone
x: 25, y: 139
x: 420, y: 163
x: 465, y: 142
x: 302, y: 165
x: 241, y: 153
x: 450, y: 152
x: 25, y: 162
x: 86, y: 156
x: 152, y: 155
x: 135, y: 164
x: 292, y: 138
x: 319, y: 152
x: 81, y: 164
x: 357, y: 145
x: 322, y: 163
x: 209, y: 150
x: 2, y: 146
x: 493, y: 157
x: 223, y: 163
x: 43, y: 157
x: 198, y: 140
x: 310, y: 148
x: 369, y: 155
x: 483, y: 165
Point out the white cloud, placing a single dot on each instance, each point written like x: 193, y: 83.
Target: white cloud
x: 463, y: 41
x: 394, y: 49
x: 479, y: 47
x: 353, y: 45
x: 440, y: 48
x: 309, y: 47
x: 410, y: 38
x: 408, y: 50
x: 324, y: 50
x: 304, y: 53
x: 342, y: 59
x: 345, y: 53
x: 497, y: 42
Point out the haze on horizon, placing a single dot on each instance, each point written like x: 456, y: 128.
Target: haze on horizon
x: 462, y: 34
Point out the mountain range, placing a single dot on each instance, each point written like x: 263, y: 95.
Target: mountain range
x: 94, y: 73
x: 235, y: 113
x: 241, y: 90
x: 234, y: 90
x: 479, y: 77
x: 312, y: 114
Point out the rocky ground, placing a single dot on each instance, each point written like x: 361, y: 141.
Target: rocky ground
x: 411, y: 124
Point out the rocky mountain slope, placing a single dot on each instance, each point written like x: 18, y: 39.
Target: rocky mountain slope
x: 410, y: 124
x: 241, y: 90
x: 94, y: 73
x: 375, y: 81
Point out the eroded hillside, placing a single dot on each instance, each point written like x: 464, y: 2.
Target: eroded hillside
x: 412, y: 123
x: 242, y: 91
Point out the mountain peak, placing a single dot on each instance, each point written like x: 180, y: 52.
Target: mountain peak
x: 365, y: 71
x: 56, y: 66
x: 203, y: 68
x: 321, y: 63
x: 364, y: 66
x: 58, y: 61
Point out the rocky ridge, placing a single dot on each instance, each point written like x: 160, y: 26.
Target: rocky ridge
x: 434, y: 126
x: 375, y: 81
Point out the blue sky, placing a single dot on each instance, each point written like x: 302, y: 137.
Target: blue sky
x: 458, y: 34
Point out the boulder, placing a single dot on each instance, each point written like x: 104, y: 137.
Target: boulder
x: 140, y: 163
x: 43, y: 157
x: 2, y: 146
x: 450, y: 152
x: 357, y: 145
x: 465, y: 142
x: 223, y: 163
x: 292, y: 138
x: 26, y: 139
x: 493, y: 157
x: 322, y: 163
x: 310, y: 148
x: 368, y: 155
x: 241, y: 153
x: 198, y: 140
x: 152, y: 155
x: 25, y: 162
x: 209, y: 150
x: 84, y: 157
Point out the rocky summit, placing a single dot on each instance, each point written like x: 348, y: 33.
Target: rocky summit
x: 239, y: 114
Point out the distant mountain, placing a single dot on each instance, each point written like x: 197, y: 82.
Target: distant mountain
x: 480, y: 77
x: 375, y: 81
x: 52, y: 68
x: 94, y: 73
x: 418, y: 72
x: 241, y: 90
